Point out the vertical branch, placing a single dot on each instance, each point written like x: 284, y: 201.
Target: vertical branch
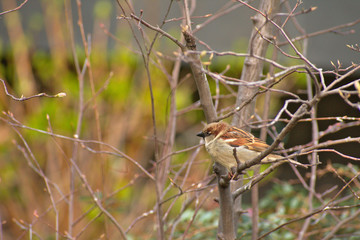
x: 87, y: 51
x: 252, y: 69
x: 158, y: 170
x: 226, y: 226
x: 314, y: 131
x: 86, y: 40
x: 263, y: 134
x: 226, y: 221
x: 314, y: 155
x: 81, y: 109
x: 171, y: 126
x: 197, y: 69
x: 69, y: 22
x: 255, y: 188
x: 158, y: 186
x: 199, y: 77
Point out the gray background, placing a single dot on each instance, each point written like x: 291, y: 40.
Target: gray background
x: 230, y: 32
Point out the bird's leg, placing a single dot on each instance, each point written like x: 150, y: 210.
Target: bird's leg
x: 236, y: 158
x: 234, y: 171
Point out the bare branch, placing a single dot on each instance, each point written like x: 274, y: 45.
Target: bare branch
x: 14, y: 9
x: 22, y: 98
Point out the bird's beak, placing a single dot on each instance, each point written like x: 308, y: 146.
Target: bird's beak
x: 201, y: 134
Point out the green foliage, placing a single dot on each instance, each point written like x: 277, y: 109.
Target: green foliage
x: 204, y: 225
x: 43, y: 68
x: 103, y: 9
x: 36, y: 22
x: 280, y: 204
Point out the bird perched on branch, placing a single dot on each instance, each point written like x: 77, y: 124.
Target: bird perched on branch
x: 221, y: 139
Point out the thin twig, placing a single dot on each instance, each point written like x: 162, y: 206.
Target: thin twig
x: 22, y: 98
x: 14, y: 9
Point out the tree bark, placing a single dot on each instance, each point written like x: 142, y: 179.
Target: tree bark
x: 252, y: 70
x: 226, y: 225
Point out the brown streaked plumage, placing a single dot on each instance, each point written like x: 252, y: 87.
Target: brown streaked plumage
x: 221, y: 138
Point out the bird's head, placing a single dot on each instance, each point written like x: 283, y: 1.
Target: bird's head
x: 213, y: 129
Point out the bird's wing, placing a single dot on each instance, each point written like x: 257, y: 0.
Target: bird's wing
x: 237, y: 137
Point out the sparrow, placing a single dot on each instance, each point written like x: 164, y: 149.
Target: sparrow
x: 221, y: 139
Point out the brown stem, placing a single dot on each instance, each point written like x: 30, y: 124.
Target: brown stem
x: 199, y: 77
x: 226, y: 221
x: 252, y: 69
